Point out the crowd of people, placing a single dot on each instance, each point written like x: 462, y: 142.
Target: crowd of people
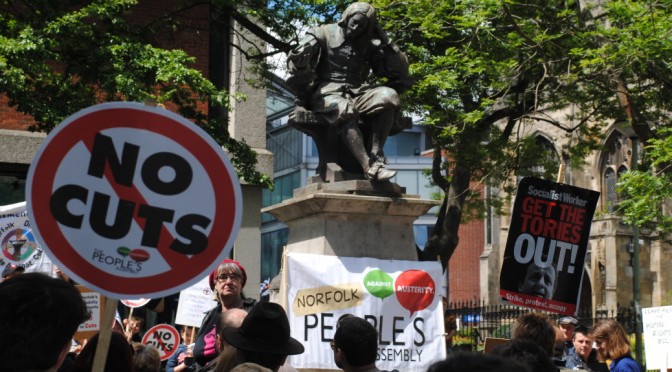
x: 39, y: 316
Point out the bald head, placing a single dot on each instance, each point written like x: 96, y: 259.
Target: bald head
x: 229, y: 318
x: 233, y: 318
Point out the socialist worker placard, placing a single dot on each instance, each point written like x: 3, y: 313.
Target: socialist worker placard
x: 547, y: 244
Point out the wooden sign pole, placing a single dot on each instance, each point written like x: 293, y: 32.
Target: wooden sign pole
x: 105, y: 334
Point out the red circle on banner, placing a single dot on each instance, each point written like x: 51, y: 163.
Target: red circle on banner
x: 164, y: 338
x: 133, y: 266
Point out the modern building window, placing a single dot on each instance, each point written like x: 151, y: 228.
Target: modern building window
x: 403, y: 144
x: 272, y: 244
x: 283, y: 190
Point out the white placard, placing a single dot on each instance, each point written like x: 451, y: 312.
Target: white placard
x: 657, y: 325
x: 93, y: 305
x: 194, y: 302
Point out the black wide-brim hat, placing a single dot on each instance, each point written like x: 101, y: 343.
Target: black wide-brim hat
x: 265, y: 329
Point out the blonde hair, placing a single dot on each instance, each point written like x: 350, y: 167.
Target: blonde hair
x: 617, y: 340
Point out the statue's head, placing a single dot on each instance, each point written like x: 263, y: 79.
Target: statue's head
x: 361, y: 9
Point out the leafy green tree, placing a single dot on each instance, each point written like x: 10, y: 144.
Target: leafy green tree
x: 648, y: 193
x: 482, y: 69
x: 58, y: 57
x: 635, y: 50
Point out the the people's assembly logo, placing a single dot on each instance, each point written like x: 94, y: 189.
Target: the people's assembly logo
x: 126, y: 260
x: 18, y: 244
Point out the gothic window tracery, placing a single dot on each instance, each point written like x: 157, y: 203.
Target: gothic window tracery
x: 616, y: 160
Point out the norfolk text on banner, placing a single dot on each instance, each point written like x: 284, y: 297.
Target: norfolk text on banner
x: 400, y: 298
x: 546, y: 247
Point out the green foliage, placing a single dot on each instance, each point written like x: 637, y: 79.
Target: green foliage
x: 481, y: 69
x: 647, y: 191
x: 58, y: 57
x: 487, y: 71
x: 503, y: 331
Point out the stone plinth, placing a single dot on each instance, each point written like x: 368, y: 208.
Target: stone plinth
x: 348, y: 219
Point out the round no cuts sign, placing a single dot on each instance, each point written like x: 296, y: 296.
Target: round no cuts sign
x: 164, y: 338
x: 133, y: 201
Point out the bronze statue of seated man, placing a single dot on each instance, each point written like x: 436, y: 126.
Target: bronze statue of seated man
x: 329, y: 72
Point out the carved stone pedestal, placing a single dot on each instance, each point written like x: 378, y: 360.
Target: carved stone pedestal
x: 353, y: 218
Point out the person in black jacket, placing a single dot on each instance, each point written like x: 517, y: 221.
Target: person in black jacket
x: 582, y: 355
x: 227, y: 283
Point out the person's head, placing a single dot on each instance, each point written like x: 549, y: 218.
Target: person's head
x: 526, y: 352
x: 39, y: 315
x: 186, y: 333
x: 358, y: 19
x: 228, y: 279
x: 538, y: 328
x: 473, y: 362
x: 134, y: 323
x: 264, y: 336
x: 146, y: 358
x: 539, y: 281
x: 567, y: 324
x: 119, y: 355
x: 355, y: 342
x: 12, y: 270
x: 559, y: 345
x: 583, y: 344
x: 229, y: 358
x: 232, y: 318
x: 610, y: 339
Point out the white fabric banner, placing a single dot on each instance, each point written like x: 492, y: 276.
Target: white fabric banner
x: 402, y: 299
x: 19, y: 246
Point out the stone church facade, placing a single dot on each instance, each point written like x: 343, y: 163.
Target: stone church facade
x: 608, y: 272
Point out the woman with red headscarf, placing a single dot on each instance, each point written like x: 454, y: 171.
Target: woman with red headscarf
x: 227, y: 282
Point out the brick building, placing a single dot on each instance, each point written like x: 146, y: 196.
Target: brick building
x: 226, y: 66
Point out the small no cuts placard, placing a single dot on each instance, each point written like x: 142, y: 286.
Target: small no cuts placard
x: 136, y: 303
x: 164, y: 338
x: 133, y: 201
